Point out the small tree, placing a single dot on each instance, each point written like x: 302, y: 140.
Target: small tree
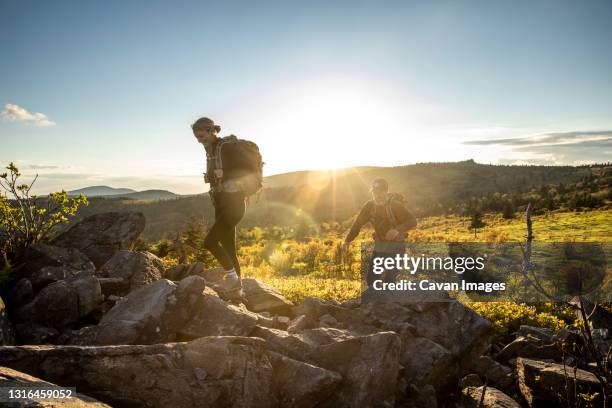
x: 476, y: 222
x: 588, y: 350
x: 508, y: 212
x: 26, y: 219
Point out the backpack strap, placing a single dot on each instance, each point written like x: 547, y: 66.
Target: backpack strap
x: 218, y: 156
x: 389, y: 211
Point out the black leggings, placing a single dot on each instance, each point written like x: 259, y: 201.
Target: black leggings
x: 221, y: 238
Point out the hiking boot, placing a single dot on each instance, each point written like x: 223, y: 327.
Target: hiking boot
x: 231, y: 287
x: 231, y: 281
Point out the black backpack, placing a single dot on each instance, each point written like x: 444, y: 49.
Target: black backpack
x: 252, y: 182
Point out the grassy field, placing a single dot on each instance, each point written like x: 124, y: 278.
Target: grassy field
x: 327, y: 280
x: 592, y: 226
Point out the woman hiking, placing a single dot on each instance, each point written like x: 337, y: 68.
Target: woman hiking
x: 234, y: 171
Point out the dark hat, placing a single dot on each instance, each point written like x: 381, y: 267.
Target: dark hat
x: 205, y: 123
x: 380, y: 185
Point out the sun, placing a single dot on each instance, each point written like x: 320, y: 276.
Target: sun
x: 331, y: 124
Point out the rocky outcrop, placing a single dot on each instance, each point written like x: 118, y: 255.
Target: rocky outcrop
x: 298, y: 384
x: 425, y: 362
x: 139, y: 317
x: 99, y: 236
x: 260, y: 297
x: 129, y: 270
x: 493, y: 398
x: 46, y: 264
x: 165, y: 311
x: 62, y: 303
x: 544, y: 384
x: 369, y: 366
x: 12, y: 379
x: 213, y: 371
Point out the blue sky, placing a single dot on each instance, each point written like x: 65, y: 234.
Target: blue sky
x: 315, y: 84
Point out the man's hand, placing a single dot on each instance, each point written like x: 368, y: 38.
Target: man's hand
x: 392, y: 235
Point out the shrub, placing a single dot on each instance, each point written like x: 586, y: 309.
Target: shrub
x: 26, y: 219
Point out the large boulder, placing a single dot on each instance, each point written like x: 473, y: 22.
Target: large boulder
x: 426, y: 362
x: 207, y: 372
x: 260, y: 297
x: 99, y: 236
x: 498, y: 375
x: 452, y: 336
x: 292, y: 345
x: 7, y: 332
x: 164, y: 311
x: 46, y: 264
x: 493, y: 398
x: 546, y: 384
x: 215, y: 317
x: 135, y: 269
x: 62, y: 303
x: 298, y: 384
x: 12, y: 379
x: 139, y: 317
x: 369, y: 366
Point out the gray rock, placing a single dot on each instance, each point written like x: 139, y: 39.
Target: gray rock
x: 426, y: 362
x: 543, y: 384
x: 328, y: 320
x: 46, y: 264
x: 32, y: 333
x: 163, y: 311
x: 181, y: 271
x: 112, y: 286
x: 511, y: 349
x: 298, y: 384
x: 279, y: 341
x: 139, y: 317
x: 215, y: 317
x: 315, y: 308
x: 540, y: 333
x: 420, y: 397
x: 449, y: 324
x: 493, y: 398
x: 369, y: 366
x: 498, y: 375
x: 22, y: 293
x: 260, y: 297
x: 135, y: 268
x: 62, y: 303
x: 99, y: 236
x: 302, y: 322
x: 12, y: 379
x: 211, y: 371
x: 7, y: 332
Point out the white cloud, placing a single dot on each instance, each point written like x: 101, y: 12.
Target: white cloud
x: 14, y: 112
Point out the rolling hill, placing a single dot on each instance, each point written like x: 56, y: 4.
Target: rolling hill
x: 428, y: 188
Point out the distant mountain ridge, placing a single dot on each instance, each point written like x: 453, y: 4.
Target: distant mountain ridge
x: 111, y: 192
x: 96, y: 191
